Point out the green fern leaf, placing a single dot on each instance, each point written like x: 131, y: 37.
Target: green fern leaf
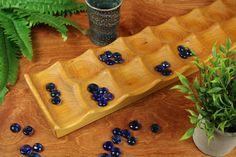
x: 35, y: 18
x: 18, y: 31
x: 61, y: 7
x: 9, y: 64
x: 71, y: 23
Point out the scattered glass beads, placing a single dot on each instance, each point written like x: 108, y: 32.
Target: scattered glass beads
x: 28, y: 131
x: 116, y: 139
x: 15, y: 127
x: 29, y: 151
x: 126, y: 133
x: 135, y: 125
x: 117, y: 131
x: 131, y: 141
x: 111, y: 58
x: 38, y: 147
x: 155, y: 128
x: 34, y: 155
x: 115, y: 152
x: 184, y: 52
x: 55, y: 94
x: 101, y: 95
x: 26, y: 150
x: 164, y: 68
x: 108, y: 145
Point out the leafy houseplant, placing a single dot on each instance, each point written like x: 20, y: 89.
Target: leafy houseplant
x: 17, y: 17
x: 214, y: 93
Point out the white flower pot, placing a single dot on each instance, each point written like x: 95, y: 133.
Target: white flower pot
x: 222, y: 143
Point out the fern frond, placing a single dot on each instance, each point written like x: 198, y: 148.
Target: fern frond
x: 18, y: 31
x: 71, y: 23
x: 61, y: 7
x: 9, y: 64
x: 35, y: 18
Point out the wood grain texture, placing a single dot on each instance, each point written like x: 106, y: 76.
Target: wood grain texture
x: 164, y: 107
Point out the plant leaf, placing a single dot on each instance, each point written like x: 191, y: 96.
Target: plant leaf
x: 228, y: 43
x: 183, y: 80
x: 38, y: 18
x: 18, y: 31
x: 188, y: 134
x: 9, y: 64
x: 61, y: 7
x: 181, y: 88
x: 214, y: 53
x: 191, y: 112
x: 214, y: 90
x: 3, y: 92
x: 192, y: 98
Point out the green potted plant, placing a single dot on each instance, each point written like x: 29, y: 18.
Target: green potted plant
x: 214, y: 95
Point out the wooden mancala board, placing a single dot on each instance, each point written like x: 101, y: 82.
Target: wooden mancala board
x: 136, y: 77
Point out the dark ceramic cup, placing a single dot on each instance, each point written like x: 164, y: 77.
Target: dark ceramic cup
x: 104, y: 16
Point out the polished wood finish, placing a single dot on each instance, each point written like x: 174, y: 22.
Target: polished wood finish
x: 164, y: 107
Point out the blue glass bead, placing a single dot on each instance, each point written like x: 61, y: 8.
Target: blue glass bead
x: 93, y: 88
x: 135, y: 125
x: 103, y: 90
x: 103, y: 57
x: 28, y: 131
x: 108, y: 54
x: 55, y: 93
x: 34, y: 155
x: 181, y: 49
x: 102, y: 102
x: 108, y: 145
x: 115, y: 152
x: 155, y: 128
x: 15, y: 127
x: 119, y: 60
x: 116, y: 139
x: 183, y: 56
x: 165, y: 64
x: 108, y: 96
x: 117, y: 131
x: 132, y: 141
x: 50, y: 86
x: 126, y: 133
x: 110, y: 62
x: 117, y: 55
x: 104, y: 155
x: 38, y: 147
x: 159, y: 68
x: 26, y: 150
x: 188, y: 52
x: 97, y: 97
x: 166, y: 72
x: 56, y: 100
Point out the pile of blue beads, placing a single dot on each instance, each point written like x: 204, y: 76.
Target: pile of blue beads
x: 26, y: 149
x: 28, y: 130
x: 184, y: 52
x: 29, y: 151
x: 164, y: 68
x: 101, y: 95
x: 117, y: 138
x: 55, y: 94
x: 111, y: 58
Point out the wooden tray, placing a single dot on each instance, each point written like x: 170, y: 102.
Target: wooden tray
x: 136, y: 78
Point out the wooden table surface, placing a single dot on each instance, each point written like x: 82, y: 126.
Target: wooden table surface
x: 165, y: 107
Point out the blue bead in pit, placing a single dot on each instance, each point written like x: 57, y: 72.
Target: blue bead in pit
x: 26, y: 150
x: 108, y: 145
x: 15, y: 127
